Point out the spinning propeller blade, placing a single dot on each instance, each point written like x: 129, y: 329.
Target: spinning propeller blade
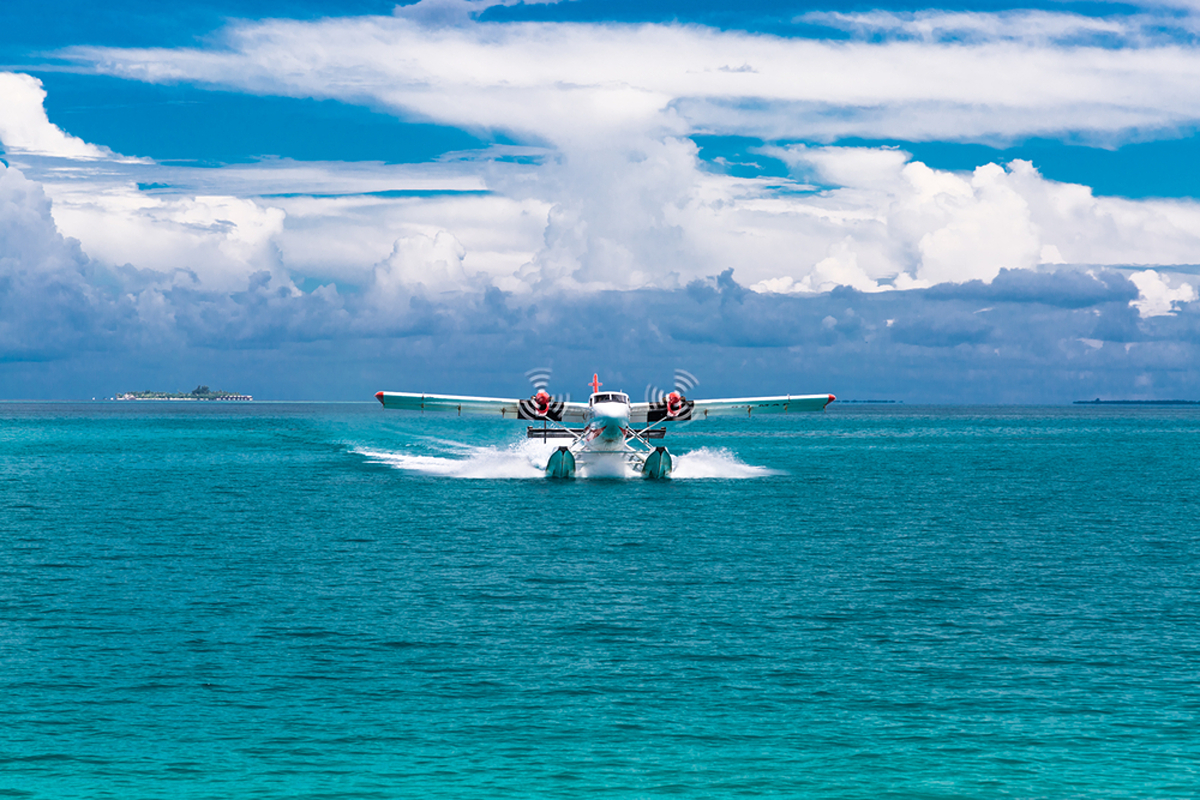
x: 684, y: 383
x: 539, y: 379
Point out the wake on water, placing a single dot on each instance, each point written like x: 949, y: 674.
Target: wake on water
x: 524, y: 460
x: 716, y: 462
x: 528, y: 460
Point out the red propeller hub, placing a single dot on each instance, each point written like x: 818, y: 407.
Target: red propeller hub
x: 674, y: 403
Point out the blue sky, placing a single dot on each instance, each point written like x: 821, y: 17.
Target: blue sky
x: 972, y: 202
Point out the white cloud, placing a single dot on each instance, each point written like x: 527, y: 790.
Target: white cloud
x: 25, y: 128
x: 1049, y: 254
x: 436, y: 263
x: 1089, y: 229
x: 1156, y: 297
x: 865, y: 167
x: 580, y: 84
x: 619, y: 198
x: 341, y: 238
x: 1038, y: 27
x: 644, y: 215
x: 29, y: 241
x: 46, y: 302
x: 213, y: 240
x: 978, y: 227
x: 911, y: 225
x: 839, y: 268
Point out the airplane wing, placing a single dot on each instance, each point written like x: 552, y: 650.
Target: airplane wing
x: 650, y: 413
x: 486, y: 406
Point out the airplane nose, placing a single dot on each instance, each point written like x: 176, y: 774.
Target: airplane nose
x: 611, y: 427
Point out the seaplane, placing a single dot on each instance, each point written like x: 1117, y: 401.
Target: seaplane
x: 609, y: 436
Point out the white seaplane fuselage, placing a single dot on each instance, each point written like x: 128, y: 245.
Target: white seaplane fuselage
x: 604, y: 450
x: 608, y: 424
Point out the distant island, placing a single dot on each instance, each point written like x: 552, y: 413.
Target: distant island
x: 199, y: 393
x: 1099, y: 402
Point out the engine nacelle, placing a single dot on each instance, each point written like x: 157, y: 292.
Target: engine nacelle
x: 540, y: 407
x: 674, y: 407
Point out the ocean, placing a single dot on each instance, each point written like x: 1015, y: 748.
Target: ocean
x: 210, y: 600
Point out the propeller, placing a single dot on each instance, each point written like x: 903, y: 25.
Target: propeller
x: 684, y: 383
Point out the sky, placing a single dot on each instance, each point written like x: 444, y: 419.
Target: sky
x: 960, y: 203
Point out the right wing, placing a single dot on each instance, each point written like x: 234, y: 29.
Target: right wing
x: 652, y: 413
x: 749, y: 406
x: 487, y: 406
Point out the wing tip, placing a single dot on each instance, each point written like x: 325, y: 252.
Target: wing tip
x: 379, y: 397
x: 827, y: 402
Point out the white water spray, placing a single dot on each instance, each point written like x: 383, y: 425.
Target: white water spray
x: 528, y: 459
x: 524, y: 460
x: 716, y: 462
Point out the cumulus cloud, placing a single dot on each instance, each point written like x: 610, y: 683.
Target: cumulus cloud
x: 644, y: 214
x: 213, y: 241
x: 839, y: 268
x: 435, y: 263
x: 622, y: 196
x: 24, y: 126
x: 1156, y: 297
x: 905, y: 225
x: 982, y: 225
x: 48, y: 301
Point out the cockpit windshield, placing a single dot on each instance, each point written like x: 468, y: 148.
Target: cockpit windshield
x: 610, y: 397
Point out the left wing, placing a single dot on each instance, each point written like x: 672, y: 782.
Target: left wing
x: 650, y: 413
x: 487, y: 406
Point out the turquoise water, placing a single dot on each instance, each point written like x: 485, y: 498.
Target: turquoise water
x: 273, y: 600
